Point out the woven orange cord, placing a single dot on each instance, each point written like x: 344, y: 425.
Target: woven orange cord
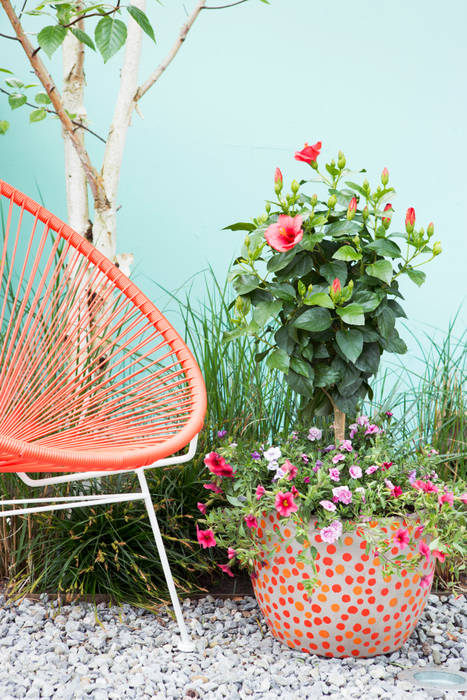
x: 92, y: 375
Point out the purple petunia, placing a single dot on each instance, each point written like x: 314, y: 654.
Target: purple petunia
x: 255, y: 455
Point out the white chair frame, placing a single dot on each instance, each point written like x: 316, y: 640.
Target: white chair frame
x: 185, y: 643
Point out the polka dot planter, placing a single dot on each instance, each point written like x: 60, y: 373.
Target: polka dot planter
x: 354, y: 610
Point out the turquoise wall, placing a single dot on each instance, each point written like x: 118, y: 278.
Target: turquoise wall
x: 384, y: 81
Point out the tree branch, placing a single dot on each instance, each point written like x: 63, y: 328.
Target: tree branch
x: 142, y: 90
x: 93, y: 14
x: 46, y: 79
x: 222, y: 7
x: 5, y: 36
x: 79, y: 125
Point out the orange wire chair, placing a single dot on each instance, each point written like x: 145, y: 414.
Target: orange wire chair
x: 93, y: 379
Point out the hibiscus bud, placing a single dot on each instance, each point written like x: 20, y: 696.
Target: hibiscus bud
x: 267, y: 207
x: 336, y: 286
x: 352, y: 208
x: 278, y: 181
x: 366, y: 186
x: 242, y: 305
x: 294, y: 186
x: 314, y: 200
x: 431, y: 229
x: 365, y: 213
x: 246, y: 242
x: 332, y: 201
x: 410, y: 219
x: 385, y: 176
x: 437, y: 248
x: 386, y: 220
x: 341, y: 160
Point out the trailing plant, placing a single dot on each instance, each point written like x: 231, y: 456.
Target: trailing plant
x: 317, y: 281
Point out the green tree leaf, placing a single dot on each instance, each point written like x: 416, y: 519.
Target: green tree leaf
x: 314, y: 320
x: 281, y: 260
x: 343, y: 228
x: 264, y: 310
x: 352, y: 314
x: 282, y: 290
x: 347, y: 253
x: 385, y: 248
x: 386, y: 321
x: 235, y: 333
x: 16, y: 100
x: 141, y: 18
x: 42, y: 98
x: 326, y: 375
x: 51, y: 37
x: 278, y: 359
x: 350, y: 342
x: 382, y: 269
x: 417, y: 276
x: 369, y: 358
x: 299, y: 383
x: 240, y: 226
x: 245, y: 283
x: 369, y: 301
x: 83, y: 38
x: 332, y: 270
x: 4, y: 126
x: 110, y: 35
x: 319, y: 299
x: 301, y: 367
x: 37, y: 115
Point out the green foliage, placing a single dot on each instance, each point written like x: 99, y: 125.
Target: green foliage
x: 330, y: 271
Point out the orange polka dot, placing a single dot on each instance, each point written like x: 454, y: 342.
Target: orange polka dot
x: 348, y: 541
x: 323, y: 633
x: 287, y: 532
x: 393, y: 602
x: 339, y: 569
x: 357, y: 590
x: 349, y: 634
x: 335, y: 607
x: 286, y: 573
x: 299, y: 605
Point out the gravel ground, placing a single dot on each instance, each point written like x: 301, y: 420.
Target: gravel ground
x: 78, y: 651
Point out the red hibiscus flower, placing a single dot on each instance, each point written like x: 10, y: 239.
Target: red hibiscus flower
x: 309, y: 153
x: 285, y: 234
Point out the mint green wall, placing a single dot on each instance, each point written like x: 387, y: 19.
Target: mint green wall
x: 384, y: 81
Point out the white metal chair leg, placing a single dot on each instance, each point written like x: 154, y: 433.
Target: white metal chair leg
x: 185, y: 643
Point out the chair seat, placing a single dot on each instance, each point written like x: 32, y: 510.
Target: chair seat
x: 92, y: 375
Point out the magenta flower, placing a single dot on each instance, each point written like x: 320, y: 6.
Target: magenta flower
x: 231, y: 553
x: 217, y: 465
x: 285, y: 233
x: 355, y: 471
x: 294, y: 491
x: 328, y: 505
x: 221, y: 433
x: 372, y: 469
x: 424, y: 549
x: 331, y: 533
x: 226, y: 569
x: 419, y: 530
x: 304, y: 458
x: 441, y: 556
x: 334, y: 474
x: 402, y: 538
x: 212, y: 487
x: 251, y: 521
x: 201, y: 507
x: 425, y: 581
x: 290, y: 469
x: 259, y: 491
x: 347, y: 445
x: 463, y: 497
x: 353, y: 430
x: 285, y: 504
x: 306, y: 480
x: 447, y: 497
x: 372, y: 429
x: 363, y: 420
x: 205, y: 538
x: 426, y: 486
x: 396, y: 491
x: 338, y: 458
x: 389, y: 414
x: 343, y: 494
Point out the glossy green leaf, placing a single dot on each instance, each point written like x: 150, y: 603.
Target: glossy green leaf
x: 309, y: 241
x: 382, y: 269
x: 110, y: 35
x: 37, y: 115
x: 240, y: 226
x: 245, y: 283
x: 352, y: 314
x: 302, y: 385
x: 368, y: 360
x: 325, y: 375
x: 350, y: 342
x: 331, y: 270
x: 385, y: 248
x: 369, y: 301
x: 347, y: 253
x: 264, y: 310
x: 317, y: 319
x: 141, y: 18
x: 386, y: 321
x: 281, y: 260
x: 343, y: 228
x: 278, y: 359
x: 83, y: 37
x: 51, y: 37
x: 283, y: 290
x: 16, y: 100
x: 319, y: 299
x: 417, y: 276
x: 42, y: 98
x: 301, y: 367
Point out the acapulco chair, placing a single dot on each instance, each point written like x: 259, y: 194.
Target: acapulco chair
x: 94, y: 380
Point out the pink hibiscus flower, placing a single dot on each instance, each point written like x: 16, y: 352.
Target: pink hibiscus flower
x: 402, y: 538
x: 260, y: 490
x: 424, y: 549
x: 217, y: 465
x: 226, y: 569
x: 309, y: 153
x: 285, y: 233
x: 251, y: 521
x: 205, y: 538
x: 285, y: 504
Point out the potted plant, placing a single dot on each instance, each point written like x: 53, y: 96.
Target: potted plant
x: 339, y: 531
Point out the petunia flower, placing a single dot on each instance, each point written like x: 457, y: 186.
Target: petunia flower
x: 425, y: 486
x: 291, y: 470
x: 205, y: 538
x: 363, y: 420
x: 441, y: 556
x: 314, y: 434
x: 226, y: 569
x: 447, y: 497
x: 251, y: 521
x: 231, y: 553
x: 217, y: 465
x: 272, y: 454
x: 402, y: 538
x: 412, y: 476
x: 304, y: 458
x: 355, y: 471
x: 331, y: 533
x: 463, y: 497
x: 221, y: 433
x: 294, y: 491
x: 201, y: 507
x: 353, y: 430
x: 255, y: 455
x: 260, y: 490
x: 386, y: 465
x: 425, y: 581
x: 343, y: 494
x: 334, y: 474
x: 329, y: 448
x: 285, y: 504
x: 347, y: 445
x: 424, y: 549
x: 372, y: 429
x: 306, y: 480
x: 396, y: 491
x: 372, y: 469
x: 338, y: 458
x: 328, y: 505
x: 212, y: 487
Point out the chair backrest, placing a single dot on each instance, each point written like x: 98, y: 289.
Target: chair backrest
x: 92, y: 375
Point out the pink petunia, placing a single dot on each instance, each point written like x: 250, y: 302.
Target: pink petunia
x: 363, y: 420
x: 217, y: 465
x: 372, y: 429
x: 231, y: 553
x: 212, y: 487
x: 205, y: 538
x: 447, y: 497
x: 285, y: 504
x: 285, y: 233
x: 331, y: 533
x: 251, y: 521
x: 201, y: 507
x: 355, y: 471
x: 347, y: 445
x: 463, y: 497
x: 402, y: 538
x: 306, y: 480
x: 334, y: 474
x: 338, y: 458
x: 372, y: 469
x: 226, y: 569
x: 425, y: 581
x: 260, y: 490
x: 290, y: 469
x: 396, y: 491
x: 328, y: 505
x: 441, y: 556
x: 386, y: 465
x: 294, y: 491
x: 425, y: 486
x: 424, y: 549
x: 343, y: 494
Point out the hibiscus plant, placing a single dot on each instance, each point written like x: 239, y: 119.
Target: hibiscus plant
x: 317, y: 284
x: 335, y: 488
